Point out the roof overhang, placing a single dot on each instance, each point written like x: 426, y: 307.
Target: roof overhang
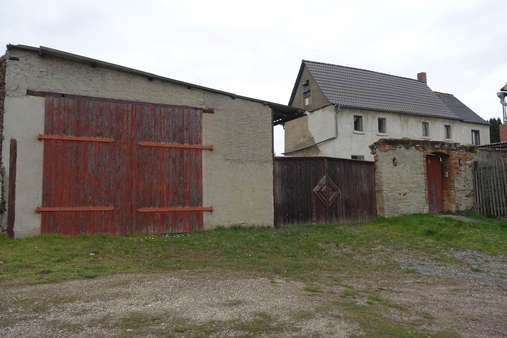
x: 281, y: 113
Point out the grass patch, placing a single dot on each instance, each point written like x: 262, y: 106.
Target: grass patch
x: 294, y: 251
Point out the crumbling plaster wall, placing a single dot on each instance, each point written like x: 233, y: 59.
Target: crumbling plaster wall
x: 401, y: 180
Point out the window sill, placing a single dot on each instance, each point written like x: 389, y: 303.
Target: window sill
x: 357, y: 132
x: 382, y: 134
x: 426, y: 137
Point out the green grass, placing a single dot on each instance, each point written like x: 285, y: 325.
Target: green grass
x: 293, y: 251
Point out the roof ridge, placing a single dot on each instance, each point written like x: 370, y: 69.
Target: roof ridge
x: 366, y: 70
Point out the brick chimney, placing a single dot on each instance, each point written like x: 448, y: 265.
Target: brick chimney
x: 422, y: 77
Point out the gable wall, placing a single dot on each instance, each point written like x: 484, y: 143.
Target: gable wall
x: 318, y: 100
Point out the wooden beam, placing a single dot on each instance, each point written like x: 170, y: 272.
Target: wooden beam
x: 11, y: 207
x: 181, y: 209
x: 176, y: 145
x: 73, y: 209
x: 46, y: 137
x: 205, y: 110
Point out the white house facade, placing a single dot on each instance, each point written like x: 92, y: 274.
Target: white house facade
x: 349, y: 109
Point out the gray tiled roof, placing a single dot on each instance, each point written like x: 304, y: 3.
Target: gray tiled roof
x: 359, y: 88
x: 459, y: 108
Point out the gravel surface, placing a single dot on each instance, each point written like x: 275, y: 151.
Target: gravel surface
x: 177, y: 304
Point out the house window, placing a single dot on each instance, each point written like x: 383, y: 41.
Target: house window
x: 358, y: 123
x: 382, y: 125
x: 426, y: 129
x: 306, y: 93
x: 448, y: 133
x: 476, y: 137
x: 357, y: 157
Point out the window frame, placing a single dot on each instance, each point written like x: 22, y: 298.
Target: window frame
x: 357, y: 157
x: 425, y: 131
x: 474, y: 133
x: 360, y: 117
x: 385, y: 125
x: 447, y: 131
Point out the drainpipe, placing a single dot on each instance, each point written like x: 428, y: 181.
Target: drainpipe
x: 502, y: 95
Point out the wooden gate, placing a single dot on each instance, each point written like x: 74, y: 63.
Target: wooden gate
x: 323, y: 190
x: 121, y: 167
x: 490, y: 185
x: 434, y: 178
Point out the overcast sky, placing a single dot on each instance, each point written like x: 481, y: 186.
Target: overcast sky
x: 255, y: 48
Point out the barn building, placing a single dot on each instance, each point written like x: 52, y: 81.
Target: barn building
x: 89, y: 146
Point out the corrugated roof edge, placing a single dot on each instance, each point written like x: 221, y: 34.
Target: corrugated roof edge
x: 280, y: 108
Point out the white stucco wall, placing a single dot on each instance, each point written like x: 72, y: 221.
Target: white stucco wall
x: 349, y: 142
x: 24, y: 121
x: 237, y: 174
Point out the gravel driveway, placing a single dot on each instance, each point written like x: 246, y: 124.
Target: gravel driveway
x: 466, y: 299
x: 177, y: 304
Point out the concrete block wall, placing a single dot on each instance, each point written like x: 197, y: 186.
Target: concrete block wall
x: 237, y: 175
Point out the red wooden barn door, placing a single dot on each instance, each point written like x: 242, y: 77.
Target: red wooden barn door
x: 121, y: 167
x: 86, y: 166
x: 167, y: 169
x: 434, y: 175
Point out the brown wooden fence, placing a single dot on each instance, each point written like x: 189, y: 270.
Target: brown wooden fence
x: 490, y: 182
x: 323, y: 190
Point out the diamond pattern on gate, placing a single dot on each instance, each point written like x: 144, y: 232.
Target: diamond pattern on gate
x: 327, y: 191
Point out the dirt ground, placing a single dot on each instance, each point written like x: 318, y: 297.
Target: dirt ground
x: 469, y: 300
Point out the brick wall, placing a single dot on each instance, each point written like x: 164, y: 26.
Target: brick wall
x: 503, y: 132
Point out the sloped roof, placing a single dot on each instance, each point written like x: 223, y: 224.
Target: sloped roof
x: 459, y: 108
x: 365, y: 89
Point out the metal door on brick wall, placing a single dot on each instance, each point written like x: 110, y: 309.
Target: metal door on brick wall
x: 121, y: 167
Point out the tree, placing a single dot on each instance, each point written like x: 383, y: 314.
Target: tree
x: 494, y: 130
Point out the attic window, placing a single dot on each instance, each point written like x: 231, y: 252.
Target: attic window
x: 306, y: 92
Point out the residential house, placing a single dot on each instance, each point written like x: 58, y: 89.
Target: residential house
x: 348, y: 109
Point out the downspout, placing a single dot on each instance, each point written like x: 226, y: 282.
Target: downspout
x: 502, y: 95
